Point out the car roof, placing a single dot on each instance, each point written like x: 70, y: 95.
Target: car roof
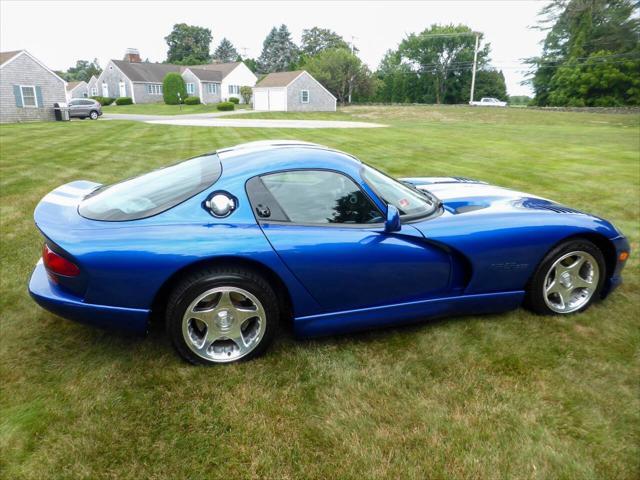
x: 254, y: 158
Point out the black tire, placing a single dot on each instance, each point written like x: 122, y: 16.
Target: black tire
x: 535, y: 290
x: 196, y: 284
x: 93, y: 115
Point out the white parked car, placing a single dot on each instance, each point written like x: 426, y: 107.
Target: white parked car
x: 489, y: 102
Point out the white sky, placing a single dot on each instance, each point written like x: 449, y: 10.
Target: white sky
x: 61, y: 32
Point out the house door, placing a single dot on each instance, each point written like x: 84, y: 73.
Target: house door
x: 105, y: 89
x: 123, y: 90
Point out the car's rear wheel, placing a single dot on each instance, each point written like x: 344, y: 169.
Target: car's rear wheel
x: 568, y: 280
x: 222, y: 316
x: 93, y: 115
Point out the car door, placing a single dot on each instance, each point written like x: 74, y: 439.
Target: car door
x: 331, y: 236
x: 75, y: 108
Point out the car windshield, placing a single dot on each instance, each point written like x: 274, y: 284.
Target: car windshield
x: 409, y: 201
x: 153, y: 192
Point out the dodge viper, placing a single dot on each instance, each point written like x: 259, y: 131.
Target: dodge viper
x: 228, y: 245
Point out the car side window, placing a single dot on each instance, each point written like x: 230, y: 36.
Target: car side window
x: 311, y: 197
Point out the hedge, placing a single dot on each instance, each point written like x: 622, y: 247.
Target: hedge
x: 174, y: 89
x: 234, y: 100
x: 124, y: 101
x: 226, y: 106
x: 104, y: 100
x: 192, y: 101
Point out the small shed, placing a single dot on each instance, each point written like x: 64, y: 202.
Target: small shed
x: 294, y: 91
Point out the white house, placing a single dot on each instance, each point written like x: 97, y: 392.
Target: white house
x: 294, y: 91
x: 233, y: 76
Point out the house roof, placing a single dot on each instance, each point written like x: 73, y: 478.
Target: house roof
x: 206, y: 75
x: 278, y: 79
x: 72, y: 85
x: 5, y: 56
x: 224, y: 68
x: 145, y: 71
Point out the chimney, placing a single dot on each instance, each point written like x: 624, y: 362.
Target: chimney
x: 132, y: 55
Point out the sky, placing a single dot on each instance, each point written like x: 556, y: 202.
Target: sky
x: 61, y: 32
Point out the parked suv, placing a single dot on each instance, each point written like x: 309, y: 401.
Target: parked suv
x: 84, y: 107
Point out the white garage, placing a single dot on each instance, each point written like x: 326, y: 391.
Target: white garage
x: 292, y: 92
x: 270, y: 99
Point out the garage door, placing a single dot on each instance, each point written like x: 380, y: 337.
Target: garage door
x: 261, y: 100
x: 277, y: 100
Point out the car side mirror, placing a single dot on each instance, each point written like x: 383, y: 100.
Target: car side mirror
x: 392, y: 223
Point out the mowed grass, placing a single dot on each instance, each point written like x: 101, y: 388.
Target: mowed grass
x: 163, y: 109
x: 498, y: 396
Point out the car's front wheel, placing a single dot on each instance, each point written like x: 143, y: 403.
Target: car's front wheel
x: 568, y: 280
x: 93, y: 115
x: 222, y: 316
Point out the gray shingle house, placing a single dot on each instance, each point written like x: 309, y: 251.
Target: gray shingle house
x: 142, y: 81
x: 292, y: 92
x: 28, y: 89
x: 92, y: 86
x: 77, y: 90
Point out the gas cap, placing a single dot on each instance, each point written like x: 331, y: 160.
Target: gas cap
x: 221, y: 205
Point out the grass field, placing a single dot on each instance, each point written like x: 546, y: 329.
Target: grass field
x: 504, y: 396
x: 163, y: 109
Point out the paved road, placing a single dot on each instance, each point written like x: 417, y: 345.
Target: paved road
x: 145, y: 118
x: 262, y: 123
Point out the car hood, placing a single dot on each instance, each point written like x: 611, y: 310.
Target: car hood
x: 460, y: 195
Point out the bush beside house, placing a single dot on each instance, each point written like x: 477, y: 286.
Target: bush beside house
x: 246, y: 93
x: 174, y: 89
x: 234, y: 100
x: 124, y: 101
x: 226, y: 106
x: 104, y: 101
x: 192, y: 101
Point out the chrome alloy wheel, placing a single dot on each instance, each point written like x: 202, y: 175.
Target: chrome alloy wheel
x: 571, y: 282
x: 224, y: 324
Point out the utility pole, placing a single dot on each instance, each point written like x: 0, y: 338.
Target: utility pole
x: 475, y: 62
x: 353, y: 51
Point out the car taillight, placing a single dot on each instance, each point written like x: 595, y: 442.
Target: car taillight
x: 57, y: 264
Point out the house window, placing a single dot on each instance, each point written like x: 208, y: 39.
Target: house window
x: 94, y: 91
x: 28, y: 96
x: 304, y: 96
x: 154, y: 89
x: 212, y: 88
x: 191, y: 88
x: 234, y: 89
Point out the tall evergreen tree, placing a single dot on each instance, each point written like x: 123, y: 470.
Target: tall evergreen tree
x: 279, y: 53
x: 591, y: 54
x: 226, y: 52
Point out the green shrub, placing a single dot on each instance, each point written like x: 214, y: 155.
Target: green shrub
x: 234, y: 100
x: 192, y: 101
x: 104, y: 100
x: 124, y: 101
x: 226, y: 106
x: 174, y: 90
x: 246, y: 92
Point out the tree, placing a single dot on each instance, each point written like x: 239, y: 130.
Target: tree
x: 316, y: 40
x: 246, y: 93
x: 226, y: 52
x: 342, y: 73
x: 252, y: 64
x: 279, y: 52
x: 188, y: 44
x: 83, y: 71
x: 490, y: 83
x: 445, y: 53
x: 590, y: 54
x: 174, y: 90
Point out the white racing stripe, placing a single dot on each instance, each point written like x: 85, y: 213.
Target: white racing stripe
x: 75, y: 191
x: 56, y: 199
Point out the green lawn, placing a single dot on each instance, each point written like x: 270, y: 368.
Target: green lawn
x: 163, y: 109
x: 499, y: 396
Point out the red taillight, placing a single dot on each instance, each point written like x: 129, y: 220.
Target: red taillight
x: 57, y: 264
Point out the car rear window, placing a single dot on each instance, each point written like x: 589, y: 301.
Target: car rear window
x: 153, y: 192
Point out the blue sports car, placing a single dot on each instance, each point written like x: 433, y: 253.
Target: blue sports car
x: 227, y: 245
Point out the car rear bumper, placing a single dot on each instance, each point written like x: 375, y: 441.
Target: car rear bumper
x: 55, y: 300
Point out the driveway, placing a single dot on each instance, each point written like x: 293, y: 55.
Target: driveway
x: 136, y: 117
x: 258, y: 123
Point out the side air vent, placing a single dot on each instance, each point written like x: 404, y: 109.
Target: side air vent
x: 466, y: 180
x: 537, y: 204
